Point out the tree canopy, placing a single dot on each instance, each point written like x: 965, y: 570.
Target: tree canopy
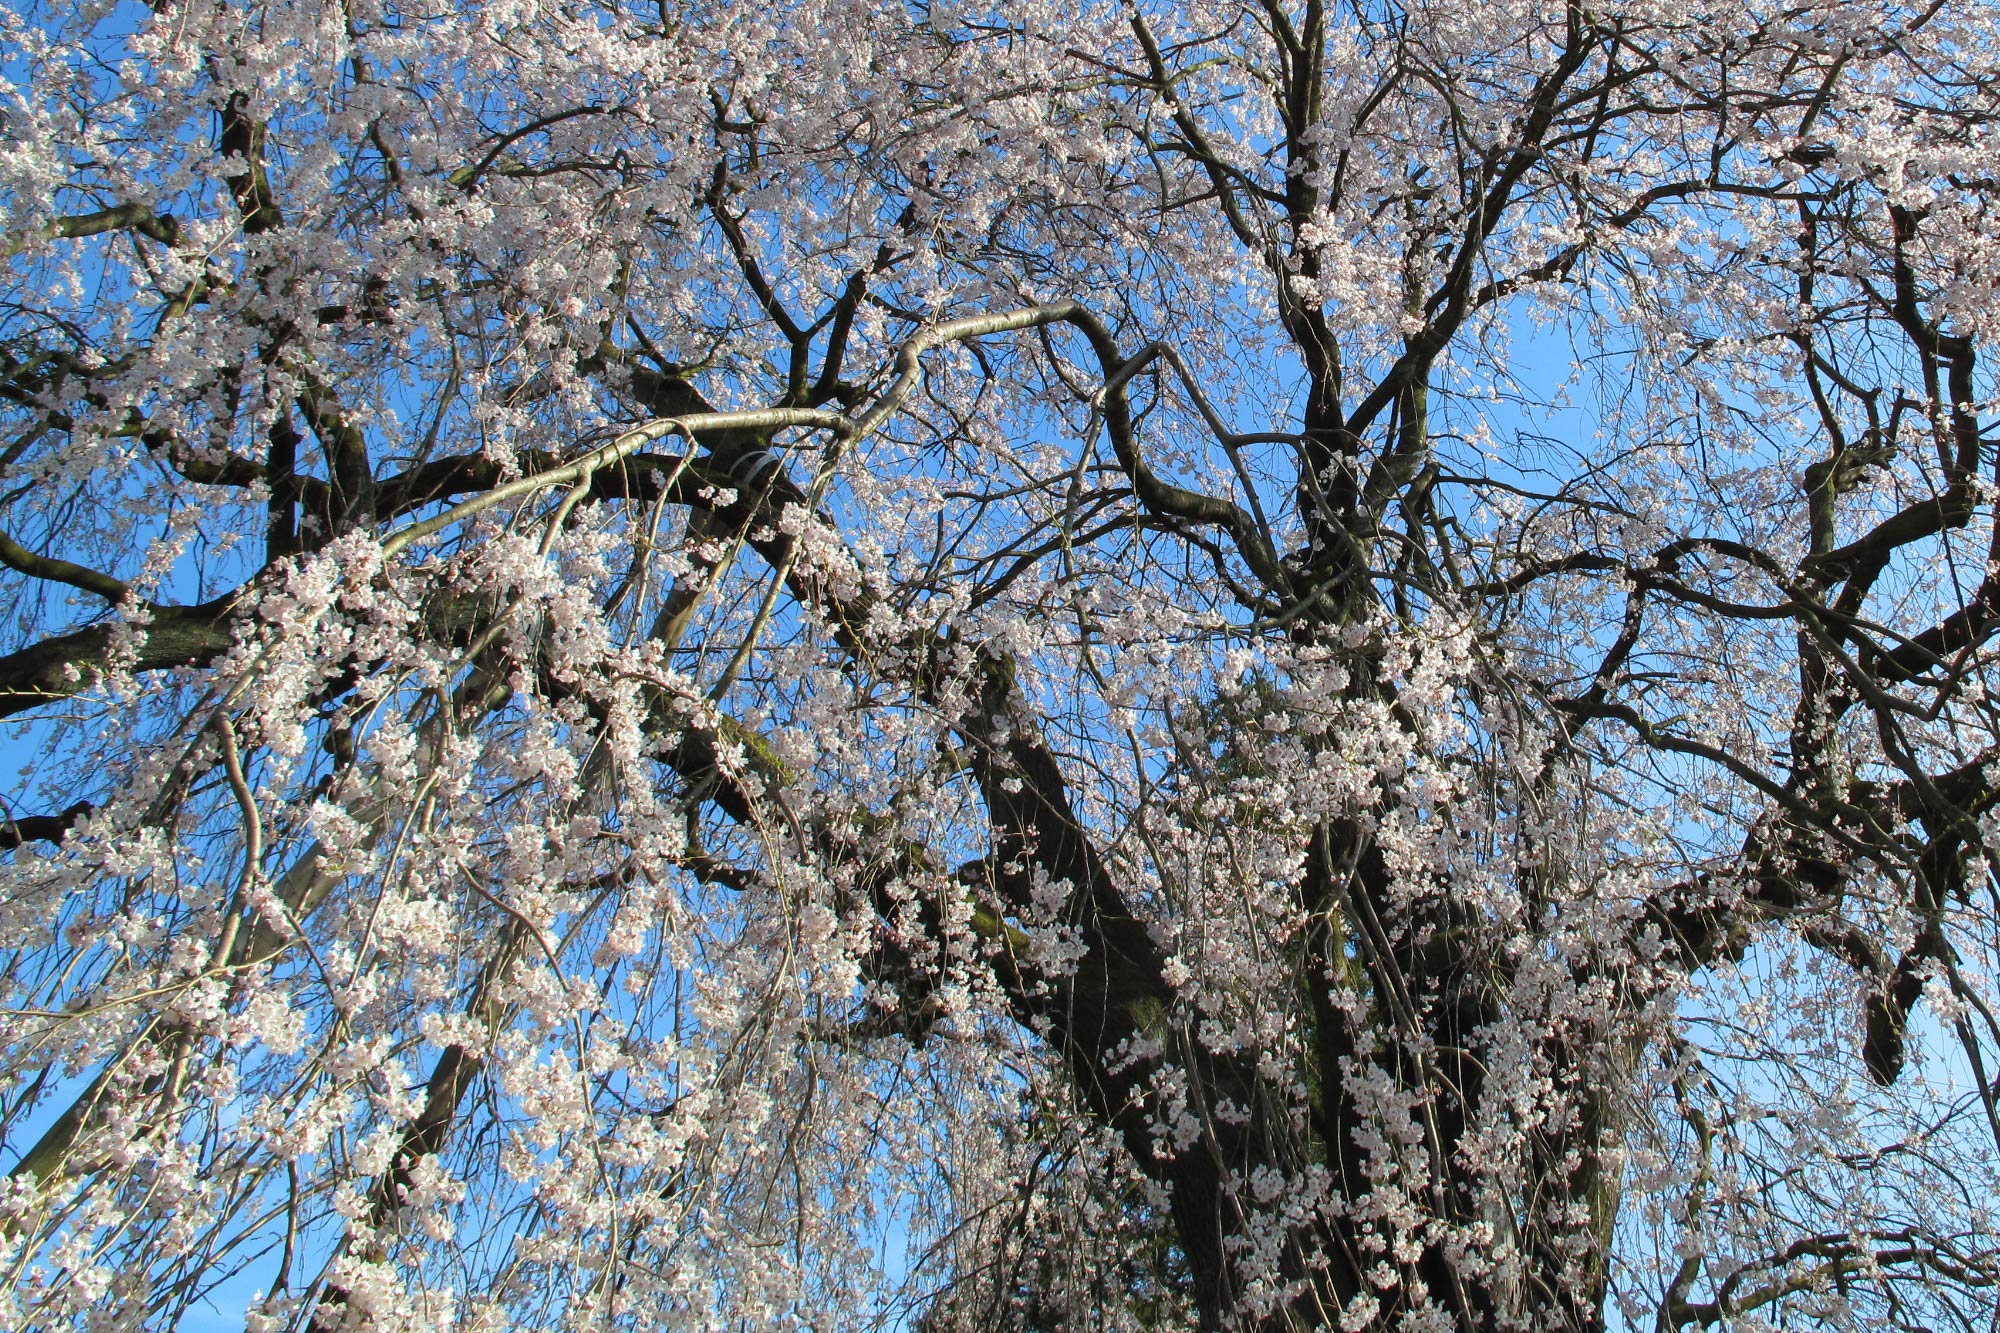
x: 927, y: 665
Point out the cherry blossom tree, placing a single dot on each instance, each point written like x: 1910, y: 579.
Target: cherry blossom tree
x: 1042, y: 664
